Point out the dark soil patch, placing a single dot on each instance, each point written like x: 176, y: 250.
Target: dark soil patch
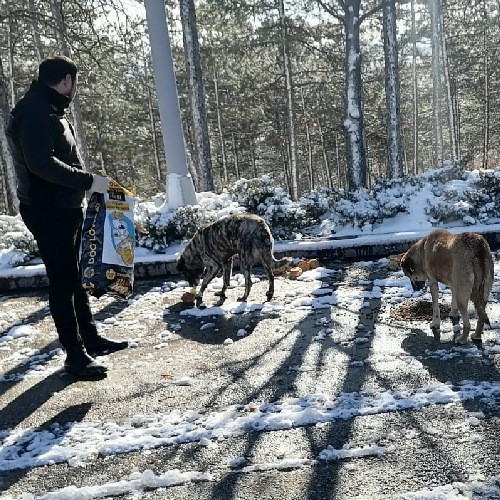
x: 418, y: 310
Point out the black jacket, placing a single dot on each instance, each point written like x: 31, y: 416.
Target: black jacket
x: 42, y: 142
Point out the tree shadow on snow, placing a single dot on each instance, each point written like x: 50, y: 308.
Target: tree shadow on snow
x: 284, y: 382
x: 66, y: 419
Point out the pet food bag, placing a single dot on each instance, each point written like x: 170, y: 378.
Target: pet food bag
x: 108, y: 242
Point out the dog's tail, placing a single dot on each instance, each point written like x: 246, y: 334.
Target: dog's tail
x: 284, y: 262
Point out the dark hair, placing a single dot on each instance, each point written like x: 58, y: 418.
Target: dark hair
x: 53, y: 69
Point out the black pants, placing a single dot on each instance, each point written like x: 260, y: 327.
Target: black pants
x: 58, y: 235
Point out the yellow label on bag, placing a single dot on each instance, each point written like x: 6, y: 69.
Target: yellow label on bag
x: 117, y: 205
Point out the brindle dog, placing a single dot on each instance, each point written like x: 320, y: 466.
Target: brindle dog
x: 461, y: 261
x: 213, y: 246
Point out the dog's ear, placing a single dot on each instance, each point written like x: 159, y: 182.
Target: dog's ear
x: 407, y: 264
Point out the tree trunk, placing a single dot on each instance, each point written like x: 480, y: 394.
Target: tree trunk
x: 4, y: 187
x: 225, y: 174
x: 329, y: 180
x: 437, y: 136
x: 36, y: 34
x: 393, y: 116
x: 254, y: 162
x: 190, y: 154
x: 486, y: 103
x: 287, y: 66
x: 353, y: 122
x: 203, y: 158
x: 341, y: 176
x: 235, y: 154
x: 284, y: 159
x: 60, y: 32
x: 414, y: 89
x: 447, y: 82
x: 10, y: 175
x: 310, y: 170
x: 10, y: 45
x: 456, y: 110
x: 99, y: 146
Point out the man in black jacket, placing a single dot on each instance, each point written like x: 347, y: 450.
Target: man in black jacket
x: 51, y: 185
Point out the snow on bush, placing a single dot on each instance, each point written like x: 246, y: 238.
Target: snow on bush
x: 260, y: 196
x: 17, y: 245
x: 363, y: 208
x: 319, y: 203
x: 450, y: 196
x: 468, y: 198
x: 164, y: 228
x: 484, y: 197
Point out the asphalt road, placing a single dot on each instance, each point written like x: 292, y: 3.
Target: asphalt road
x: 284, y: 354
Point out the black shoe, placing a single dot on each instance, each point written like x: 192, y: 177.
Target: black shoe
x: 102, y: 346
x: 83, y: 366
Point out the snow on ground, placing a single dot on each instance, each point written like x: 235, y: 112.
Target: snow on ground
x: 137, y: 482
x: 78, y: 442
x: 457, y: 491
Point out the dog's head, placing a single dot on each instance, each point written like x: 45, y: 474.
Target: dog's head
x: 190, y: 267
x: 412, y: 268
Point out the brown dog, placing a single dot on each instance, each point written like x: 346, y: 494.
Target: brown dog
x: 461, y: 261
x: 212, y: 248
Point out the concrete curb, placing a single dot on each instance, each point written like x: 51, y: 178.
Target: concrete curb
x: 335, y: 250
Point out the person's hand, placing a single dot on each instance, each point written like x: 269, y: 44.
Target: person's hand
x: 100, y: 184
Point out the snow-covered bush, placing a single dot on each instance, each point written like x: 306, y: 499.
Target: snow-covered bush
x: 15, y: 236
x: 444, y: 212
x: 252, y: 193
x: 445, y: 196
x: 318, y: 203
x: 260, y: 196
x: 484, y: 197
x: 364, y: 207
x: 450, y: 171
x: 474, y: 197
x: 164, y: 228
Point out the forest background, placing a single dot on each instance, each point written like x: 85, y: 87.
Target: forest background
x: 315, y: 93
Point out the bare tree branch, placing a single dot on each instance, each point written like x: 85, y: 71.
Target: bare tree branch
x: 332, y: 12
x: 370, y: 12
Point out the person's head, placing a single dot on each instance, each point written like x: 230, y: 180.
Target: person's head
x: 60, y: 73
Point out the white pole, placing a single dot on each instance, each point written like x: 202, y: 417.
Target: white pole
x: 180, y: 188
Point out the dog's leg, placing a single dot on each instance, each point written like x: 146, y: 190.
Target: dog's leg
x: 476, y: 336
x: 454, y: 315
x: 482, y: 319
x: 245, y: 269
x: 462, y: 306
x: 210, y: 274
x: 436, y: 317
x: 464, y: 290
x: 267, y: 262
x: 226, y: 277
